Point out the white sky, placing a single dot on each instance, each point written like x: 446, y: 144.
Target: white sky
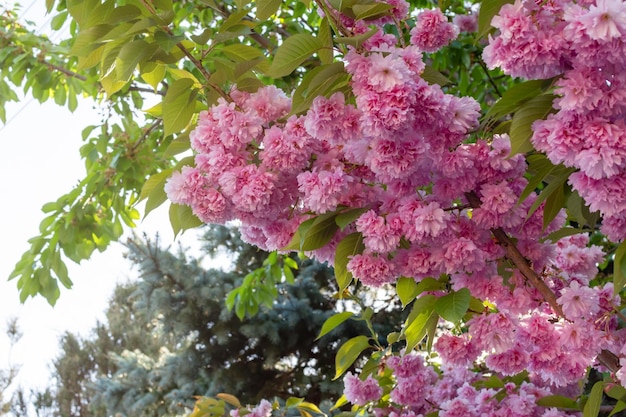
x: 39, y: 162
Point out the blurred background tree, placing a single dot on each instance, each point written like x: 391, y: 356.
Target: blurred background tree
x: 168, y: 337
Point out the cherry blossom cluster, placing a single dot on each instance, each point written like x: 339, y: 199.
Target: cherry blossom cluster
x: 402, y: 150
x: 585, y: 44
x: 417, y: 389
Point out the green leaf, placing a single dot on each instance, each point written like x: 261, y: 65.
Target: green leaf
x: 230, y: 399
x: 616, y: 392
x: 182, y: 218
x: 344, y: 218
x: 266, y: 8
x: 371, y: 11
x: 57, y: 21
x: 292, y: 53
x: 619, y: 406
x: 155, y: 76
x: 293, y: 402
x: 179, y: 105
x: 240, y: 52
x: 407, y: 290
x: 178, y: 145
x: 433, y: 76
x: 348, y: 353
x: 513, y: 98
x: 488, y: 9
x: 326, y: 38
x: 333, y: 321
x: 320, y: 233
x: 320, y: 81
x: 429, y: 284
x: 558, y: 401
x: 348, y: 247
x: 563, y: 232
x: 592, y: 406
x: 554, y: 204
x: 540, y: 167
x: 452, y: 307
x: 310, y: 407
x: 619, y: 268
x: 357, y: 40
x: 521, y: 126
x: 233, y: 21
x: 131, y: 55
x: 156, y: 185
x: 557, y: 179
x: 416, y: 324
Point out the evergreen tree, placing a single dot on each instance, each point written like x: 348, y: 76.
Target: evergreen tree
x: 169, y: 337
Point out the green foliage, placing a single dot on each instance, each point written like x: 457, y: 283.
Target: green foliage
x: 196, y: 346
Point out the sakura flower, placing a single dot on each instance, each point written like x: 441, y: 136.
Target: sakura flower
x: 360, y: 392
x: 432, y: 31
x: 578, y: 301
x: 605, y: 20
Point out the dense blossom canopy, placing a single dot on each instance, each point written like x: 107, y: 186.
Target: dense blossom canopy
x: 436, y: 199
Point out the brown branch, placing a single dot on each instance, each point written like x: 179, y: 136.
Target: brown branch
x: 519, y: 260
x: 146, y: 90
x: 606, y: 358
x: 146, y: 133
x: 65, y: 71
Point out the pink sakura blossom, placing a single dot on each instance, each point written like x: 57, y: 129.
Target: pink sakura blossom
x: 264, y: 409
x: 510, y: 362
x: 528, y: 46
x: 581, y: 89
x: 578, y: 301
x: 499, y: 207
x: 283, y: 152
x: 456, y: 350
x: 432, y: 31
x: 560, y: 136
x: 387, y: 72
x: 461, y: 254
x: 410, y: 366
x: 269, y: 103
x: 372, y: 270
x: 605, y: 20
x: 575, y: 258
x: 210, y: 206
x: 332, y: 120
x: 218, y: 160
x: 430, y: 220
x: 176, y: 187
x: 361, y: 392
x: 495, y: 332
x: 378, y: 235
x: 606, y: 194
x: 466, y: 22
x: 466, y: 112
x: 614, y: 227
x: 249, y: 188
x: 412, y: 57
x: 392, y: 158
x: 414, y: 262
x: 322, y: 191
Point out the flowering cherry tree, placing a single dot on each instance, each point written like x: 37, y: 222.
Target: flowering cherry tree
x: 469, y: 157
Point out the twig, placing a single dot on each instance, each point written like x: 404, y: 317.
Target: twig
x: 491, y: 81
x: 65, y: 71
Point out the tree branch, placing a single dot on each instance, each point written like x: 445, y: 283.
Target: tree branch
x: 62, y: 70
x: 606, y: 358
